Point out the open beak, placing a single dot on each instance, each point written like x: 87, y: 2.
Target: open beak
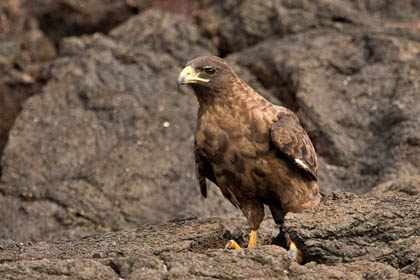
x: 189, y: 76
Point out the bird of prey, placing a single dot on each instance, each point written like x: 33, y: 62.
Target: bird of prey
x: 256, y: 152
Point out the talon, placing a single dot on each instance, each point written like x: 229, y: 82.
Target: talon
x: 232, y: 245
x: 295, y: 253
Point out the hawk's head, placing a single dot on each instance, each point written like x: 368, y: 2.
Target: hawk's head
x: 207, y: 75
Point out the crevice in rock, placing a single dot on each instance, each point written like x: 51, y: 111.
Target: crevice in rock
x: 369, y: 50
x: 219, y: 43
x: 63, y: 20
x: 215, y: 242
x: 115, y: 268
x: 166, y: 266
x: 12, y: 98
x: 340, y: 19
x: 323, y: 146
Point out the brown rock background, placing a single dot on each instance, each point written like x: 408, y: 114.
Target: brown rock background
x: 95, y: 137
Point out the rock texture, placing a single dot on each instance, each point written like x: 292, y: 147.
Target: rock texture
x: 402, y: 186
x: 29, y: 33
x: 25, y: 53
x: 191, y: 249
x: 65, y: 18
x: 346, y: 228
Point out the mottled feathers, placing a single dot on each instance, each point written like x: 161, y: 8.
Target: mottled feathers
x: 289, y: 137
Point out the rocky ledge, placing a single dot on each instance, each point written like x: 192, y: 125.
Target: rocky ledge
x: 345, y: 237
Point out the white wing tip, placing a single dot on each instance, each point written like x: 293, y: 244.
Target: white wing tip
x: 301, y: 164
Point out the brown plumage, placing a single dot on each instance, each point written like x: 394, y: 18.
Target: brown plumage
x: 257, y: 153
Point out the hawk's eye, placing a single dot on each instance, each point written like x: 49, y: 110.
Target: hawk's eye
x: 210, y: 70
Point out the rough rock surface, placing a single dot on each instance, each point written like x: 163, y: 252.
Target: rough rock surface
x: 63, y: 18
x: 233, y: 25
x: 347, y: 228
x: 191, y: 249
x: 29, y: 33
x: 25, y: 53
x: 402, y: 186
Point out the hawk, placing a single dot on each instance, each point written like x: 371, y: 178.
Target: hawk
x: 256, y: 152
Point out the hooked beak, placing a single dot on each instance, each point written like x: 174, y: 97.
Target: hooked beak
x: 189, y: 76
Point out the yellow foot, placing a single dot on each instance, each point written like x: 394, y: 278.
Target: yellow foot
x: 295, y: 253
x: 232, y: 245
x: 252, y: 241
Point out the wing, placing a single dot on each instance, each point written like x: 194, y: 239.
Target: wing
x: 289, y: 137
x: 203, y: 170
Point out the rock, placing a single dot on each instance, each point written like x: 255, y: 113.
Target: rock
x: 25, y: 53
x: 65, y: 18
x: 149, y: 240
x: 346, y: 228
x: 401, y: 186
x: 184, y: 249
x: 355, y: 93
x: 354, y: 270
x: 234, y: 25
x: 29, y: 31
x: 184, y: 8
x: 169, y: 40
x: 395, y: 10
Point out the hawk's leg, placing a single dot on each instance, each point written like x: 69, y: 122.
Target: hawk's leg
x: 283, y: 238
x: 255, y: 215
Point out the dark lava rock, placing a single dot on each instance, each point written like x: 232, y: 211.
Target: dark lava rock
x: 354, y: 270
x: 346, y: 228
x: 29, y: 31
x: 192, y: 249
x: 25, y: 53
x: 402, y: 186
x: 237, y: 24
x: 63, y: 18
x: 234, y: 25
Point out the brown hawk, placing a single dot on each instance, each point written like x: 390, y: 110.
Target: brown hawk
x: 256, y: 152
